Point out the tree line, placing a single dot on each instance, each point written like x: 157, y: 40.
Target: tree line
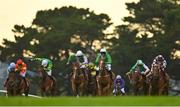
x: 152, y: 28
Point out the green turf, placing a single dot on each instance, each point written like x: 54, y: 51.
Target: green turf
x: 92, y: 101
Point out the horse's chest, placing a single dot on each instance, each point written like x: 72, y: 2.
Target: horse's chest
x: 103, y: 81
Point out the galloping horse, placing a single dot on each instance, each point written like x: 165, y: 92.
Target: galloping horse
x: 137, y: 80
x: 78, y: 80
x: 159, y: 82
x: 104, y: 82
x: 48, y: 83
x: 16, y: 85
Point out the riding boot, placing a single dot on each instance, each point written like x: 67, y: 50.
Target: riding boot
x: 111, y: 75
x: 25, y: 81
x: 5, y: 83
x: 97, y: 73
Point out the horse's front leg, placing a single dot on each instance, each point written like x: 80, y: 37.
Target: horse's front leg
x: 99, y: 88
x: 73, y: 88
x: 82, y: 89
x: 42, y: 92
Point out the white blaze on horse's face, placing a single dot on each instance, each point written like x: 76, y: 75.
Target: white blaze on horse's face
x: 75, y: 68
x: 101, y: 65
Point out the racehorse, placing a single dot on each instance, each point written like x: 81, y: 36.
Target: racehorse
x: 92, y: 82
x: 16, y: 85
x: 104, y: 82
x: 159, y: 82
x: 137, y: 80
x: 78, y: 80
x: 48, y: 83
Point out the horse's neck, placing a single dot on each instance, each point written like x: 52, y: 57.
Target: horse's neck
x: 156, y: 71
x: 103, y: 72
x: 44, y: 75
x: 137, y: 75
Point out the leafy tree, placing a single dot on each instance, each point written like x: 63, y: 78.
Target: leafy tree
x: 54, y: 31
x: 152, y: 29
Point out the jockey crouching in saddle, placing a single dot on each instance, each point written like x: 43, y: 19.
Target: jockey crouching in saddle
x: 140, y: 67
x: 20, y: 67
x: 119, y: 80
x: 11, y: 68
x: 158, y: 60
x: 83, y: 61
x: 107, y: 59
x: 46, y: 64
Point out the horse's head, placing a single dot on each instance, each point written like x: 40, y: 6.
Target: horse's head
x: 155, y: 70
x: 41, y: 71
x: 135, y: 77
x: 102, y: 64
x: 14, y: 79
x: 76, y: 69
x: 75, y: 66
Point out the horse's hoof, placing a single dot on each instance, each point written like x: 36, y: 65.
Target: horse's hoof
x: 77, y: 96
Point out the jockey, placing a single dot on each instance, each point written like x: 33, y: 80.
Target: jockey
x: 46, y: 64
x: 107, y: 59
x: 158, y: 60
x: 139, y: 66
x: 10, y: 68
x: 71, y: 57
x: 122, y: 84
x: 82, y: 59
x: 92, y: 68
x: 22, y: 68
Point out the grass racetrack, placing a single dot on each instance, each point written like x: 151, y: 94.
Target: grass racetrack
x: 92, y: 101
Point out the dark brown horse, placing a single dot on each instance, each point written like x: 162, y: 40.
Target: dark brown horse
x: 92, y: 82
x: 48, y: 83
x: 104, y: 81
x: 159, y: 83
x: 137, y: 80
x: 16, y: 85
x: 78, y: 80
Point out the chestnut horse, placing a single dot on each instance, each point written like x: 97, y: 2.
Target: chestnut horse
x: 104, y: 81
x: 137, y: 80
x: 48, y: 83
x: 159, y: 83
x: 16, y: 85
x: 78, y: 80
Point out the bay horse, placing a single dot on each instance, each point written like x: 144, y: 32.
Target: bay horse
x: 16, y: 85
x: 78, y: 80
x: 48, y: 83
x: 137, y: 80
x: 104, y: 81
x: 159, y: 83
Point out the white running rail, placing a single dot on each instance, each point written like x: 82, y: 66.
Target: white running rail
x: 30, y: 95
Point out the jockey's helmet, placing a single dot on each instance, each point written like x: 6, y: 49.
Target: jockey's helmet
x: 79, y: 53
x: 103, y: 50
x: 19, y: 62
x: 44, y: 63
x: 160, y: 58
x: 12, y: 65
x: 118, y: 77
x: 139, y: 62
